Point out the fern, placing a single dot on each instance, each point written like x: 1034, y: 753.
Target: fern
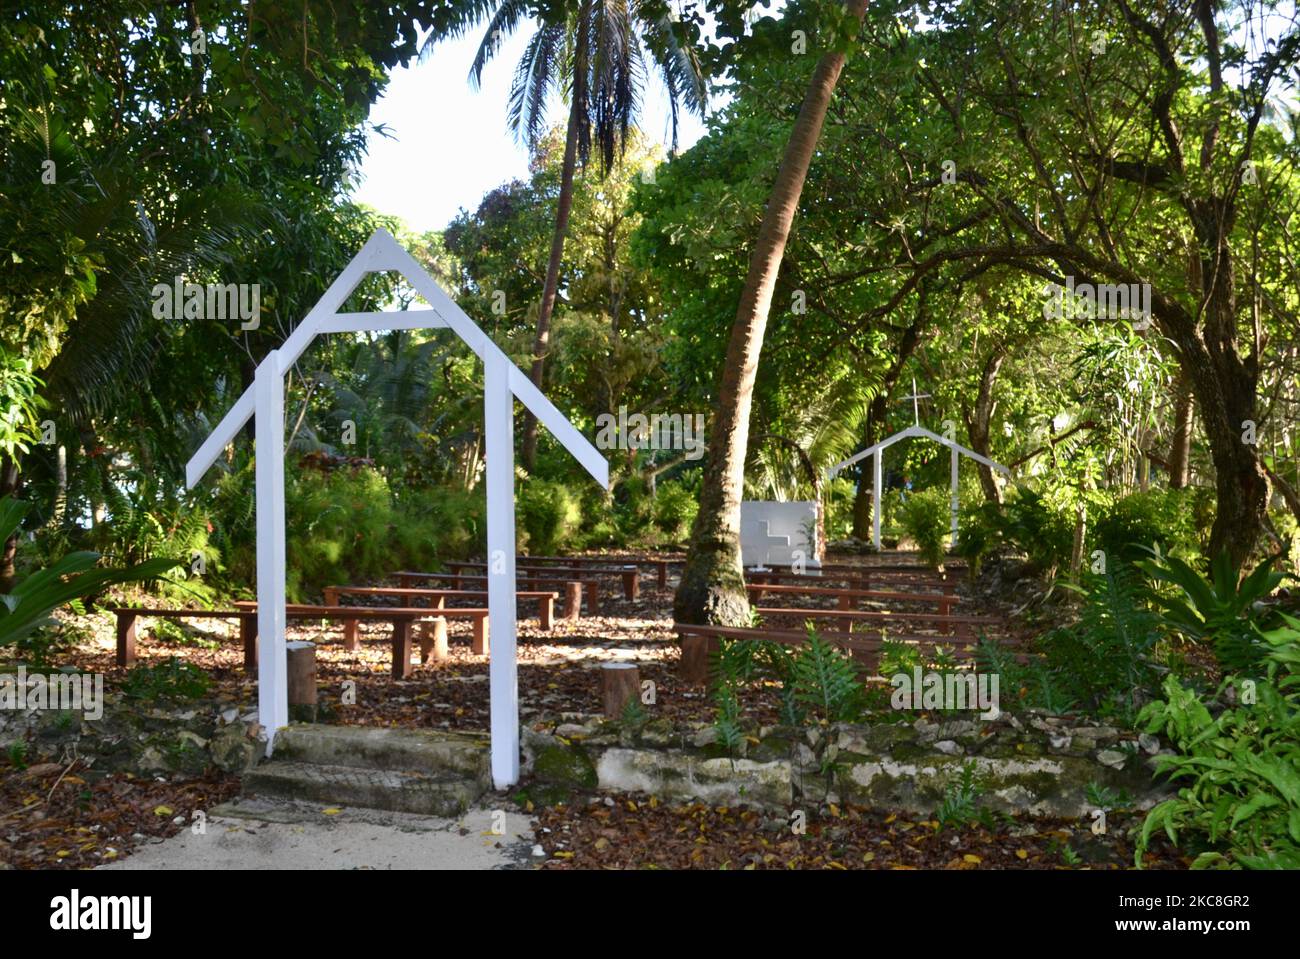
x: 826, y: 681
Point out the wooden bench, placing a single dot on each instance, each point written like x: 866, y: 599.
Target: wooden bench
x: 128, y: 617
x: 660, y: 566
x: 573, y: 589
x: 961, y: 624
x: 699, y: 644
x: 856, y: 580
x: 438, y: 598
x: 402, y: 619
x: 846, y: 596
x: 630, y: 575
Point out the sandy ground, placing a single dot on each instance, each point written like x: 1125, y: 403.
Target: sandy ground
x: 258, y: 834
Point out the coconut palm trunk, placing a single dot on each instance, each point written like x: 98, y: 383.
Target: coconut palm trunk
x: 712, y: 588
x: 551, y: 286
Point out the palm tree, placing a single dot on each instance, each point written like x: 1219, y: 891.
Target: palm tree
x: 712, y: 588
x: 600, y: 55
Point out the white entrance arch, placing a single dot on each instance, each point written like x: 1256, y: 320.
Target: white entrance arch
x: 503, y: 384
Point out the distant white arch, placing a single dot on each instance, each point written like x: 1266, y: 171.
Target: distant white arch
x: 915, y: 430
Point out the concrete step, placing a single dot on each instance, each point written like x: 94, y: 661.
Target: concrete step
x: 459, y: 755
x: 440, y: 794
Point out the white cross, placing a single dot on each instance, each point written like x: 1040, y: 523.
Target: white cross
x: 759, y: 534
x: 916, y: 407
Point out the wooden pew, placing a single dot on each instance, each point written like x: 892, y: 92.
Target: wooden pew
x: 659, y: 565
x: 943, y: 601
x: 628, y: 574
x: 127, y: 617
x: 438, y: 598
x: 402, y: 619
x: 952, y: 625
x: 573, y: 589
x: 699, y: 643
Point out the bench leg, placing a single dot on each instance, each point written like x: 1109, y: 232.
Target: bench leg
x: 697, y: 651
x: 846, y: 602
x: 593, y: 596
x: 545, y: 612
x: 401, y: 649
x: 350, y: 635
x: 663, y: 573
x: 248, y: 636
x: 479, y: 646
x: 572, y: 601
x: 433, y: 640
x: 631, y: 584
x: 126, y: 638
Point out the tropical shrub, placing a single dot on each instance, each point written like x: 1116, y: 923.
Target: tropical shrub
x: 926, y: 517
x: 1138, y: 522
x: 549, y: 512
x: 1241, y: 766
x: 28, y: 605
x: 1218, y: 610
x: 675, y: 505
x: 1106, y: 663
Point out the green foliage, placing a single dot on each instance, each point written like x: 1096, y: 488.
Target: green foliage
x: 675, y: 504
x: 825, y: 681
x: 926, y: 518
x: 549, y: 513
x: 1241, y: 766
x: 1134, y: 524
x: 30, y: 602
x: 17, y: 754
x: 1106, y: 661
x: 19, y: 404
x: 172, y: 679
x: 960, y: 805
x: 1219, y: 610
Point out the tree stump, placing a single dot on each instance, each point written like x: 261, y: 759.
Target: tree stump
x: 619, y: 683
x: 572, y: 601
x: 433, y: 639
x: 300, y: 659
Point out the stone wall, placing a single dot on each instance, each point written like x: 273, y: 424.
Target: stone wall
x: 142, y: 738
x: 1033, y: 763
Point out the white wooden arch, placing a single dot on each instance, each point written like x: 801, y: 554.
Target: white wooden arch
x: 503, y: 383
x: 915, y: 430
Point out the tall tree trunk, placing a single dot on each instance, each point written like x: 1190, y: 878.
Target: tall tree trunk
x: 1224, y: 384
x: 550, y: 289
x: 712, y: 588
x: 1180, y: 446
x: 977, y: 423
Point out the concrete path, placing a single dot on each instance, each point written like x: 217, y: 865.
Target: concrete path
x: 262, y: 834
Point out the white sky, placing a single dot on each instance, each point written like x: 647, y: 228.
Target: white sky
x: 451, y: 144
